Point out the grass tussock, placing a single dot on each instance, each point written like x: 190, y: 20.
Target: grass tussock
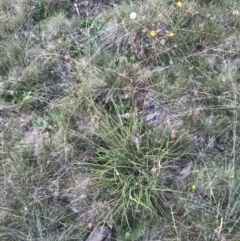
x: 119, y: 112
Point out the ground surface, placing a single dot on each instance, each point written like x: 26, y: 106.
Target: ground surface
x: 119, y: 112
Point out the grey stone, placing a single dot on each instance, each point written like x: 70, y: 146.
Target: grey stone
x: 100, y: 233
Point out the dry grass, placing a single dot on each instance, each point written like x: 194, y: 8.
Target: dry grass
x: 133, y: 122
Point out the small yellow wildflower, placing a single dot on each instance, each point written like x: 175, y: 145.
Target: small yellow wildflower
x: 194, y: 187
x: 153, y: 33
x: 223, y: 79
x: 171, y: 34
x: 160, y: 15
x: 179, y: 4
x: 144, y: 30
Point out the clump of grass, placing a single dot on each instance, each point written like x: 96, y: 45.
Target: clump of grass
x: 130, y: 164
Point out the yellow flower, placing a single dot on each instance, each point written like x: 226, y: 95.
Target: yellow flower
x: 144, y: 30
x: 171, y: 34
x: 160, y: 15
x: 223, y: 79
x: 153, y: 33
x: 179, y: 4
x: 194, y: 187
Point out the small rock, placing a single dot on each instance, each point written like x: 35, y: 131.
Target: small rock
x: 100, y: 233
